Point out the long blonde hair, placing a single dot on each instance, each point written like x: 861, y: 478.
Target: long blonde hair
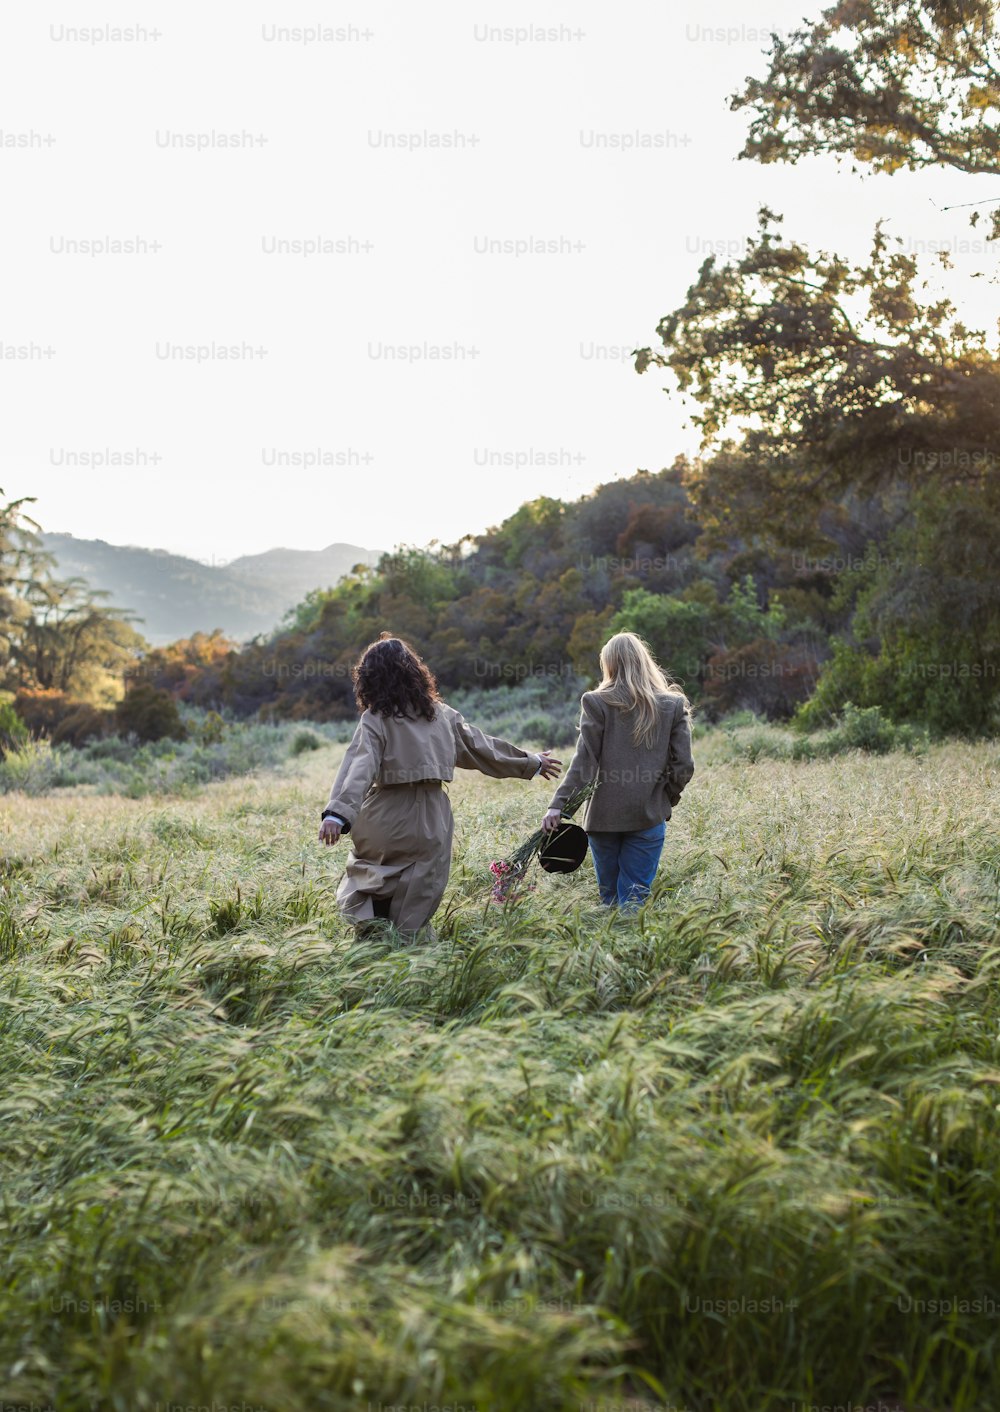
x: 632, y: 680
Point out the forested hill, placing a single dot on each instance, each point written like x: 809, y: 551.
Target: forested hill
x: 742, y: 625
x: 176, y: 596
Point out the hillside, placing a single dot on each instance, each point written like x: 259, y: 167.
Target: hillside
x: 176, y: 596
x: 741, y: 625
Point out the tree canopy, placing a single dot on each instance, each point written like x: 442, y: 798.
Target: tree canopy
x: 889, y: 84
x: 56, y: 636
x: 834, y: 377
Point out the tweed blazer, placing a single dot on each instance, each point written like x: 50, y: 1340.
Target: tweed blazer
x: 636, y: 783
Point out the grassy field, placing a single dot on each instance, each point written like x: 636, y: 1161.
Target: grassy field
x: 740, y: 1152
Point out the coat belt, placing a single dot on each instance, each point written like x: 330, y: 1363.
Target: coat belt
x: 410, y: 784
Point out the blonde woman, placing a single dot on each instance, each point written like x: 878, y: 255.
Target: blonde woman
x: 635, y: 741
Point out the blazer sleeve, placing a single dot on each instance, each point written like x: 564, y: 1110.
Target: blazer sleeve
x: 358, y: 770
x: 475, y: 750
x: 586, y: 761
x: 680, y: 761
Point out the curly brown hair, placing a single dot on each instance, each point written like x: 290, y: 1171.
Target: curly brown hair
x: 390, y: 679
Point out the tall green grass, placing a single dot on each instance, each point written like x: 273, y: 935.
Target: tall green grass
x: 741, y: 1151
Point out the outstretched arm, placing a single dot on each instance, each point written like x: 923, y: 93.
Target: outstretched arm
x: 498, y: 758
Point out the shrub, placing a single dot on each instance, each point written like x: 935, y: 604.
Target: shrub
x: 542, y: 708
x: 13, y: 732
x: 212, y: 729
x: 739, y: 718
x: 41, y: 710
x: 304, y: 741
x: 911, y: 737
x: 31, y: 768
x: 149, y: 713
x: 110, y: 747
x: 865, y: 728
x: 63, y: 719
x: 82, y: 723
x: 760, y: 743
x: 861, y: 728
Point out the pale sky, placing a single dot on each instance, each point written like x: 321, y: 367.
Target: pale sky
x: 539, y: 396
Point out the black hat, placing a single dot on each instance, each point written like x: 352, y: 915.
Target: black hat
x: 563, y: 850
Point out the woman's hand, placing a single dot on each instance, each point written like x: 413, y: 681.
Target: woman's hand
x: 550, y: 766
x: 329, y: 831
x: 551, y: 821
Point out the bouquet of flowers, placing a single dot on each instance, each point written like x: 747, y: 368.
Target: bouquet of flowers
x: 508, y: 879
x: 508, y: 873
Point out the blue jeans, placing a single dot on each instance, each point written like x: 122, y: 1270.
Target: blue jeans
x: 626, y: 865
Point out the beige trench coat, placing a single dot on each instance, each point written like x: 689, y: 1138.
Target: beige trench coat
x: 390, y: 792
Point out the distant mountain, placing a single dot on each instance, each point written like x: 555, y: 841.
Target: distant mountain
x: 176, y: 596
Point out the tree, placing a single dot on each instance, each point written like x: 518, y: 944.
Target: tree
x: 891, y: 84
x: 530, y: 531
x: 823, y: 384
x: 924, y: 642
x: 583, y: 648
x: 20, y: 552
x: 56, y: 636
x: 73, y: 642
x: 839, y: 378
x: 678, y: 630
x: 193, y: 668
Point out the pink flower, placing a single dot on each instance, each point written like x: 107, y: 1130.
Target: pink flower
x: 507, y: 877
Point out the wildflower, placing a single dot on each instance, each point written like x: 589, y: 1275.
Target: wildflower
x: 508, y: 873
x: 508, y: 881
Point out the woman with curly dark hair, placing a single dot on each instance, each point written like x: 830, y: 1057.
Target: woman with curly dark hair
x: 389, y: 792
